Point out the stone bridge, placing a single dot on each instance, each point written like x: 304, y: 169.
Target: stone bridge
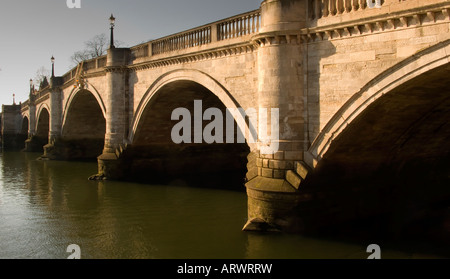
x: 361, y: 88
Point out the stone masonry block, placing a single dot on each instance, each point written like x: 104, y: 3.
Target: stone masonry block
x: 259, y: 162
x: 279, y: 155
x: 267, y: 172
x: 277, y: 164
x: 301, y: 169
x: 293, y: 155
x: 279, y: 173
x: 281, y: 164
x: 267, y: 156
x: 293, y: 179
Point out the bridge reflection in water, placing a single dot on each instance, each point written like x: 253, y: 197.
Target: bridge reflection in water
x: 47, y: 205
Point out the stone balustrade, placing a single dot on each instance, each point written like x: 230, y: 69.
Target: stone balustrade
x: 238, y: 26
x: 87, y: 66
x: 323, y: 8
x: 194, y: 37
x: 234, y: 27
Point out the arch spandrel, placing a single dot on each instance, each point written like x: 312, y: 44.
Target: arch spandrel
x: 410, y: 68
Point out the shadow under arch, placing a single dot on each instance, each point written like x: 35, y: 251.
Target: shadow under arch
x: 198, y: 77
x: 382, y: 165
x: 154, y: 157
x: 24, y: 131
x: 74, y: 93
x: 83, y: 126
x: 40, y: 138
x: 25, y: 125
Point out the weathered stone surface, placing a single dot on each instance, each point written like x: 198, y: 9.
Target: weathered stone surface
x: 257, y: 224
x: 293, y: 179
x: 302, y: 169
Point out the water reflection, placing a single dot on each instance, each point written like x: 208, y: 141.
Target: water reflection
x: 47, y: 205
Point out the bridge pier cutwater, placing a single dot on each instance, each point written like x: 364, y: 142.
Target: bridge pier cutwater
x: 354, y: 89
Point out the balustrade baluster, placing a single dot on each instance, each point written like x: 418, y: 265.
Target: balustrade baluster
x: 218, y: 33
x: 340, y: 6
x: 241, y: 26
x: 232, y: 29
x: 355, y: 5
x: 257, y: 23
x: 347, y: 6
x: 325, y: 8
x: 362, y: 4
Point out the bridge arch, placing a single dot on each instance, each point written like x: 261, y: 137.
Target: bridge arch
x: 40, y: 137
x: 410, y: 68
x: 25, y: 125
x: 195, y: 76
x: 153, y: 150
x: 92, y: 90
x: 83, y: 125
x: 385, y: 154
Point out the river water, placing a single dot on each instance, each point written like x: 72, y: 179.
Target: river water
x: 47, y: 205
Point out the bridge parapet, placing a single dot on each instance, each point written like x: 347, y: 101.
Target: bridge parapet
x: 330, y: 12
x: 42, y: 95
x: 391, y: 16
x: 220, y: 33
x: 24, y: 106
x: 92, y: 66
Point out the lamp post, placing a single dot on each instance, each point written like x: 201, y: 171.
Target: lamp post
x: 112, y: 21
x: 53, y: 66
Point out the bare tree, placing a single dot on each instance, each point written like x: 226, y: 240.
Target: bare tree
x: 41, y: 78
x: 95, y: 47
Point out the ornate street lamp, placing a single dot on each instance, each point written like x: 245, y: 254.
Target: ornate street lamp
x: 53, y: 66
x: 112, y: 21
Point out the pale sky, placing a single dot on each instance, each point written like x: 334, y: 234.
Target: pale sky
x: 31, y: 31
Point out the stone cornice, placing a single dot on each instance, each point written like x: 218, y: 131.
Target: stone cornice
x: 115, y: 69
x: 277, y: 38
